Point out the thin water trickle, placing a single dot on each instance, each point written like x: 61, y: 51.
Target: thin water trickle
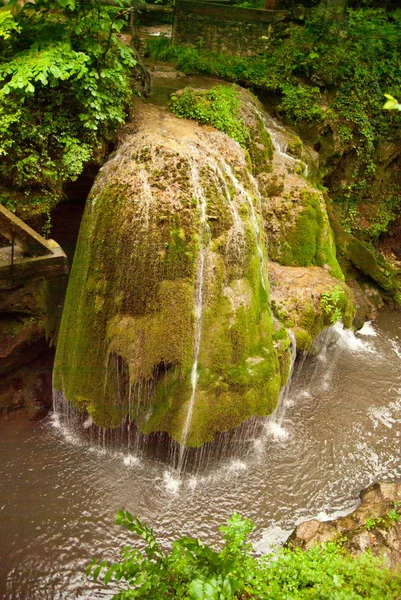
x: 204, y: 235
x: 243, y: 193
x: 279, y: 138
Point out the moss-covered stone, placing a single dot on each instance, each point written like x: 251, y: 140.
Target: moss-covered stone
x: 128, y: 330
x: 305, y: 238
x: 356, y: 255
x: 308, y: 299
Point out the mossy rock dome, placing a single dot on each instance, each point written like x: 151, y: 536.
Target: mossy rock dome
x: 171, y: 248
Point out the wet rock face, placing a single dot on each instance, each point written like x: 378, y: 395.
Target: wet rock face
x: 306, y: 299
x: 172, y: 244
x: 29, y: 387
x: 173, y: 247
x: 374, y: 525
x: 29, y: 316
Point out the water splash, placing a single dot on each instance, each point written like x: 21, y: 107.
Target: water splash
x: 131, y: 461
x: 396, y: 347
x: 276, y: 430
x: 172, y: 482
x: 367, y: 330
x: 348, y: 339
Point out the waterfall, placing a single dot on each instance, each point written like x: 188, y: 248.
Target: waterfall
x: 204, y: 234
x: 242, y: 192
x: 279, y: 138
x: 274, y: 423
x: 170, y: 345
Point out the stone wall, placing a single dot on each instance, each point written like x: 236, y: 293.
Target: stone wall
x: 239, y: 31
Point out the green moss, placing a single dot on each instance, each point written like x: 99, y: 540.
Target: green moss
x: 218, y: 106
x: 295, y: 148
x: 309, y: 241
x: 127, y: 336
x: 260, y: 148
x: 370, y: 263
x: 303, y: 338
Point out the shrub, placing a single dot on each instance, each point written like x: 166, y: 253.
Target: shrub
x: 195, y: 571
x: 218, y: 106
x: 64, y: 89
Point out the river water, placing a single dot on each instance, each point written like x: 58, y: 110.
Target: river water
x: 338, y: 430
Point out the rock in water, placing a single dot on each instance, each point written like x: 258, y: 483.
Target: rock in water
x: 374, y: 525
x: 171, y: 228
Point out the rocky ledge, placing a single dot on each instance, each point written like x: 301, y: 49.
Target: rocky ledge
x: 375, y: 525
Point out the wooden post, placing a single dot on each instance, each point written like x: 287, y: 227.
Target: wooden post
x: 12, y: 254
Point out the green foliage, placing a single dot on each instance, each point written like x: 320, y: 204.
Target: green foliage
x: 392, y: 517
x: 332, y: 303
x: 301, y: 103
x: 64, y: 89
x: 373, y: 522
x: 195, y: 571
x: 391, y: 103
x: 330, y: 75
x: 218, y: 106
x: 192, y: 570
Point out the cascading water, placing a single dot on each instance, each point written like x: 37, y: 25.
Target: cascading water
x: 279, y: 138
x: 254, y: 220
x: 142, y: 357
x: 225, y: 238
x: 204, y: 235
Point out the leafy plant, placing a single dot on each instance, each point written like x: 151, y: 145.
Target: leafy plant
x: 373, y: 522
x: 64, y: 89
x: 331, y: 303
x: 391, y: 103
x: 192, y: 570
x: 195, y: 571
x: 218, y: 107
x: 393, y: 515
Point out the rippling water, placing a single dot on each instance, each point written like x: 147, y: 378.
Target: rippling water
x: 339, y: 431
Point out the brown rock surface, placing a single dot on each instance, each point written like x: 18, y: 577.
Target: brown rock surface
x: 374, y: 525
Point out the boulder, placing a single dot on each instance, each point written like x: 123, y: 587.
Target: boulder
x: 375, y: 525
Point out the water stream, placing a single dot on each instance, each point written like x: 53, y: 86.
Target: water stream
x: 204, y: 235
x: 340, y: 430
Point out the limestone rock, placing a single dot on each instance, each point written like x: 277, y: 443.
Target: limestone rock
x: 374, y: 525
x: 296, y: 296
x: 172, y: 230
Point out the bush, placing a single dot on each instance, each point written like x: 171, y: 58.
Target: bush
x: 64, y: 89
x: 218, y: 106
x: 195, y: 571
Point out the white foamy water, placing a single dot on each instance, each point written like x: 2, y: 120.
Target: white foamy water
x: 367, y: 329
x: 236, y: 466
x: 396, y: 347
x: 172, y: 482
x: 88, y: 423
x: 349, y: 340
x: 276, y: 431
x: 131, y: 461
